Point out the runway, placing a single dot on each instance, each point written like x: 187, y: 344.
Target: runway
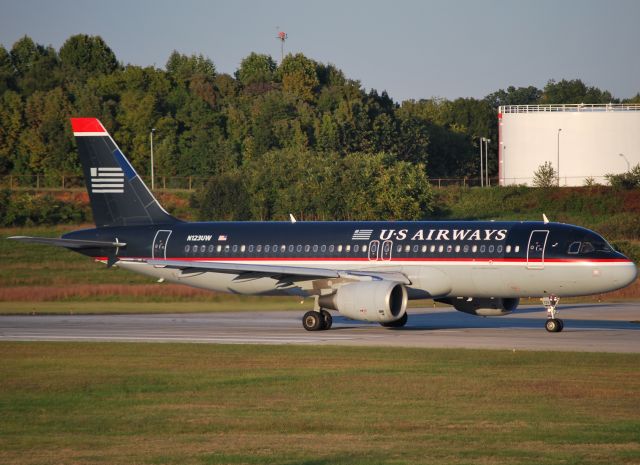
x: 588, y: 328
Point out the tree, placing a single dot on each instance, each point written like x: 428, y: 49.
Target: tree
x: 82, y: 56
x: 545, y: 175
x: 299, y: 76
x: 628, y: 180
x: 182, y: 68
x: 514, y: 96
x: 573, y: 91
x: 256, y: 69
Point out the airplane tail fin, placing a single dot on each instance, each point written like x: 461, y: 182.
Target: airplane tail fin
x: 118, y: 195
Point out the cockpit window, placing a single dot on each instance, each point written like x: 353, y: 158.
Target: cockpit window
x: 587, y: 247
x: 593, y: 244
x: 574, y: 248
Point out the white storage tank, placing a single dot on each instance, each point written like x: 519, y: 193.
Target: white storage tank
x: 581, y: 141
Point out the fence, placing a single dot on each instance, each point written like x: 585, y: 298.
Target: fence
x: 64, y: 182
x: 191, y: 183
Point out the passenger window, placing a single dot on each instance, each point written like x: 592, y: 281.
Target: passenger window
x: 348, y: 248
x: 424, y: 248
x: 483, y: 248
x: 491, y: 247
x: 356, y: 248
x: 266, y: 248
x: 465, y: 249
x: 339, y: 248
x: 283, y: 248
x: 227, y: 248
x: 441, y: 248
x: 574, y: 248
x: 474, y: 248
x: 218, y: 248
x: 517, y: 249
x: 499, y: 249
x: 407, y: 248
x: 242, y: 248
x: 364, y: 248
x: 187, y: 248
x: 399, y: 248
x: 307, y: 248
x: 235, y: 248
x: 299, y: 248
x: 457, y: 248
x: 210, y: 249
x: 290, y: 248
x: 449, y: 248
x: 508, y: 249
x: 432, y: 248
x: 416, y: 248
x: 251, y: 248
x: 331, y: 248
x: 323, y: 248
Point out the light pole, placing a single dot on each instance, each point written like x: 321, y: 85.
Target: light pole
x: 486, y: 159
x: 481, y: 165
x: 625, y: 159
x: 558, y: 164
x: 151, y: 143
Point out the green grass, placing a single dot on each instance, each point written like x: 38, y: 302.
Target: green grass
x: 225, y: 304
x: 210, y: 404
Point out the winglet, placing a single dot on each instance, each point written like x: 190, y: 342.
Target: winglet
x: 545, y: 219
x: 292, y: 218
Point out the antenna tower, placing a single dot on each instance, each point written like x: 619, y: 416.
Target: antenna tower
x: 282, y: 37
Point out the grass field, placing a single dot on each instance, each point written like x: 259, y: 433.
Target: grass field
x: 208, y: 404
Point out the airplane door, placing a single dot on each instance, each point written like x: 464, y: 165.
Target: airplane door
x: 387, y: 246
x: 535, y: 249
x: 374, y: 248
x: 159, y: 247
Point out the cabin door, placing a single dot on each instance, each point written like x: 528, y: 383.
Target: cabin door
x: 535, y: 249
x: 159, y: 247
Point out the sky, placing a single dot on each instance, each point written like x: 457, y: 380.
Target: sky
x: 413, y: 49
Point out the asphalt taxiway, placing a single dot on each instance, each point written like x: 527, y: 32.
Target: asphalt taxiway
x: 588, y: 328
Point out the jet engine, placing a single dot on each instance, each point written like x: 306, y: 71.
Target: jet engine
x: 379, y: 301
x: 483, y: 306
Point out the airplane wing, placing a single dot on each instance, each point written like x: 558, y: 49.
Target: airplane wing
x: 68, y: 243
x: 293, y: 273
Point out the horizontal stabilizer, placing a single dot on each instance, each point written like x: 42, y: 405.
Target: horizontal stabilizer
x: 68, y: 243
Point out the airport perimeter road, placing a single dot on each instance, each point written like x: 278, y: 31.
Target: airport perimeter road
x: 588, y: 327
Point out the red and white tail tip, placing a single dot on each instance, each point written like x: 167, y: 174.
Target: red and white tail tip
x: 88, y: 127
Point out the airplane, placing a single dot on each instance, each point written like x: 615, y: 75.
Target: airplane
x: 366, y: 271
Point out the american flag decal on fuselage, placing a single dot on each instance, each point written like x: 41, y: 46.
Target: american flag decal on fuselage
x: 107, y: 180
x: 362, y: 234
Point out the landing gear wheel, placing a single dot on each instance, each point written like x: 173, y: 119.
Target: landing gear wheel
x: 399, y: 323
x: 553, y: 325
x: 312, y: 321
x: 561, y: 324
x: 327, y: 319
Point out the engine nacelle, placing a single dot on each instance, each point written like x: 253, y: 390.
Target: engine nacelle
x: 379, y: 301
x: 484, y: 306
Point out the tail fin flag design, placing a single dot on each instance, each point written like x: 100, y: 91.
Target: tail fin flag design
x: 118, y: 195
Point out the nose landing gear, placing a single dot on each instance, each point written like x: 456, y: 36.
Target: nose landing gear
x: 553, y: 324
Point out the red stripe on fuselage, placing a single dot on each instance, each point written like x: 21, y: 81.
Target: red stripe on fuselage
x: 379, y: 261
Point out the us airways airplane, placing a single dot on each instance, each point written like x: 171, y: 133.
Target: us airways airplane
x: 364, y: 270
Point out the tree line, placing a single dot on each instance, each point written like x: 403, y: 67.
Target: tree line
x: 296, y: 136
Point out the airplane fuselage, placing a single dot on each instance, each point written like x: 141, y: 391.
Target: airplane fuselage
x: 440, y: 259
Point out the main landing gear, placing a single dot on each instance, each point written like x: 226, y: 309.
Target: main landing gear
x: 553, y: 324
x: 317, y: 320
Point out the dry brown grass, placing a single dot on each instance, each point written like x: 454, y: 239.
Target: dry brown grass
x: 92, y: 291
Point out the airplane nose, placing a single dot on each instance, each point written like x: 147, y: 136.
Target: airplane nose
x: 626, y: 273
